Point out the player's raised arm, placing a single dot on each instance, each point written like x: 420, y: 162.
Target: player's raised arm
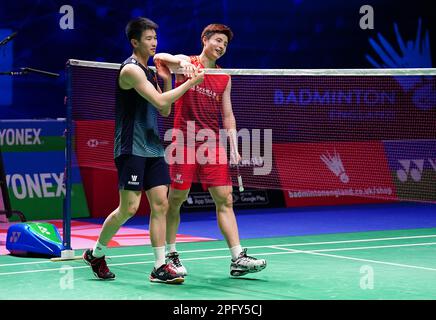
x: 164, y: 73
x: 180, y: 63
x: 132, y: 76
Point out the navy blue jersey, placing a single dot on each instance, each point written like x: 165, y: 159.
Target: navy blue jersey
x: 136, y: 128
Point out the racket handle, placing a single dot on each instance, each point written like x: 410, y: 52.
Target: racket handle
x: 241, y: 186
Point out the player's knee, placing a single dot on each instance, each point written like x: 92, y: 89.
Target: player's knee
x: 225, y: 199
x: 160, y: 206
x: 176, y: 200
x: 130, y: 210
x: 128, y: 207
x: 124, y: 214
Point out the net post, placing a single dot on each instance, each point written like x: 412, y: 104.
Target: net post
x: 67, y: 253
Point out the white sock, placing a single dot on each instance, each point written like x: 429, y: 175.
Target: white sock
x: 171, y: 247
x: 235, y: 251
x: 99, y: 250
x: 159, y: 256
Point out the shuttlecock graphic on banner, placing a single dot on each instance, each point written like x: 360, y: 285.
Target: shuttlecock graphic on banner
x: 334, y: 163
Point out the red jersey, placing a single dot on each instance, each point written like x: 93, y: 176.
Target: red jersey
x: 202, y: 103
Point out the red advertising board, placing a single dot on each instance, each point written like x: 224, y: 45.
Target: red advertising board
x: 94, y: 147
x: 334, y: 173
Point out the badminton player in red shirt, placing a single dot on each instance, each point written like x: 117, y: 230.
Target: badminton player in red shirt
x: 199, y: 111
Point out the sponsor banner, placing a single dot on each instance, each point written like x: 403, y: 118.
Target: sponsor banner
x: 329, y: 198
x: 38, y: 167
x: 198, y: 200
x: 32, y: 135
x: 34, y: 161
x: 413, y: 167
x: 334, y: 172
x: 95, y: 143
x: 95, y: 159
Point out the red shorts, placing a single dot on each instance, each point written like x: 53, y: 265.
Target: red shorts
x: 208, y: 174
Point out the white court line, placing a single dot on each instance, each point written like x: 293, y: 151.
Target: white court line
x: 362, y: 248
x: 251, y: 247
x: 289, y: 245
x: 278, y: 247
x: 359, y: 240
x: 125, y: 264
x: 357, y: 259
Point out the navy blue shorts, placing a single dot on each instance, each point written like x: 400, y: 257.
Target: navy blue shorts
x: 139, y: 173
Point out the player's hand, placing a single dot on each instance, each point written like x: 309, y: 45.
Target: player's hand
x: 162, y: 71
x: 187, y: 68
x: 197, y: 77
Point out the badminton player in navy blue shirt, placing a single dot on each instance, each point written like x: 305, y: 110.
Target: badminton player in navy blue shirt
x: 138, y: 152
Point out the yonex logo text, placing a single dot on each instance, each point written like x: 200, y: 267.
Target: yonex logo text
x: 27, y: 136
x: 37, y: 185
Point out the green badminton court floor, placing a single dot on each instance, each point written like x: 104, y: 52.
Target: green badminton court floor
x: 370, y: 265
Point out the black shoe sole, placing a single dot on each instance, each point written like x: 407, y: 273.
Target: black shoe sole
x: 239, y: 273
x: 178, y: 280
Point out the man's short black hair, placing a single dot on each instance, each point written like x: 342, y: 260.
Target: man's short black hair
x: 136, y: 26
